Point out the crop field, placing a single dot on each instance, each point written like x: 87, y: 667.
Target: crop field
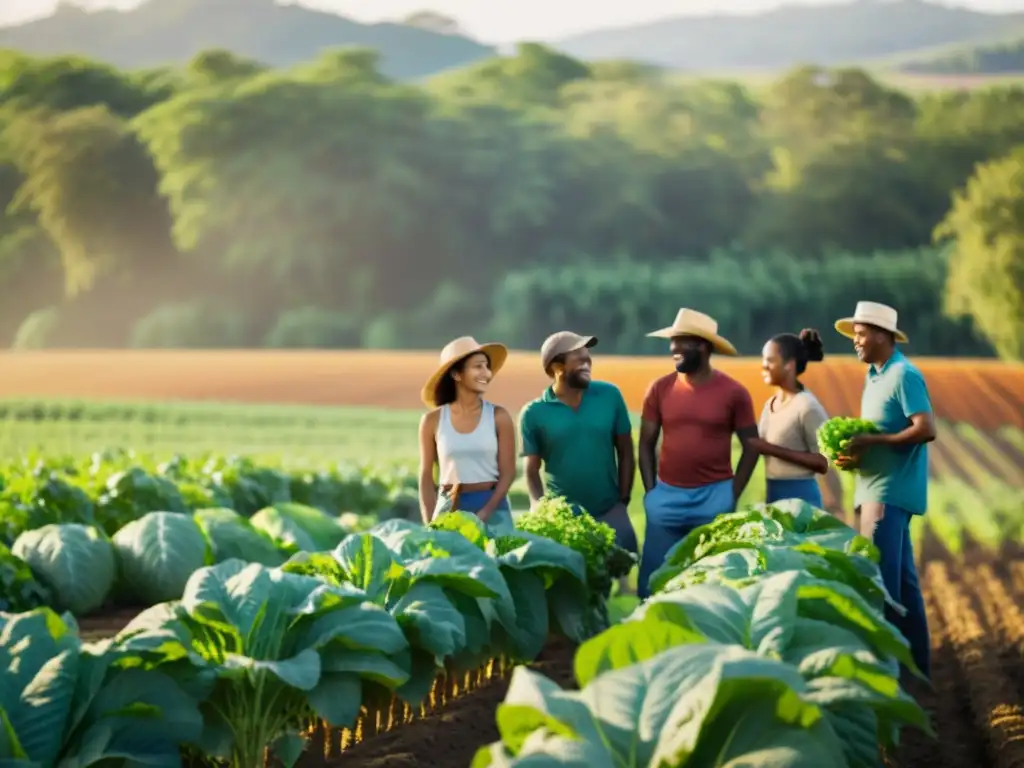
x: 333, y: 444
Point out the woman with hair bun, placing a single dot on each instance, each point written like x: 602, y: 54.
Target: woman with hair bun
x: 787, y: 431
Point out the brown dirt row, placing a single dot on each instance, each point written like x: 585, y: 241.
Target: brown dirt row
x: 995, y: 699
x: 392, y: 379
x: 450, y: 737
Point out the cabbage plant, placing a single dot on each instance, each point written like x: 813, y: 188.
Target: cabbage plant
x: 68, y: 704
x: 268, y: 651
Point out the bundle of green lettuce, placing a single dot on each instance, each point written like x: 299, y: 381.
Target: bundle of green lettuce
x: 835, y: 434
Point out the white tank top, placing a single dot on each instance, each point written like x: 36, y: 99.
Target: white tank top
x: 467, y: 458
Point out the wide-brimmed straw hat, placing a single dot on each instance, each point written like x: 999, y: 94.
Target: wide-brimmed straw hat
x: 872, y: 313
x: 456, y: 350
x: 690, y: 322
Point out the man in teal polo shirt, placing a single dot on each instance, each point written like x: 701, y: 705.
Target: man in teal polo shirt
x: 579, y: 431
x: 891, y: 485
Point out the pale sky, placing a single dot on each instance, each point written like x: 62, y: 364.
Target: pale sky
x: 494, y: 21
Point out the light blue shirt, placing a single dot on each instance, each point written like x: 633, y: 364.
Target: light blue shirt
x: 894, y: 474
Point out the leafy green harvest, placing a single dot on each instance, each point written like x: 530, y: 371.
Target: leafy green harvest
x: 835, y: 434
x: 19, y: 589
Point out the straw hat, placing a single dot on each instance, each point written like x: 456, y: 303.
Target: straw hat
x: 870, y: 313
x: 457, y: 350
x: 690, y: 322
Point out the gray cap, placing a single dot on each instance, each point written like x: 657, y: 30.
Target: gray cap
x: 562, y: 342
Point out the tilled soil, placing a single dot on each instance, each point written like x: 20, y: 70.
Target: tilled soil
x: 450, y: 737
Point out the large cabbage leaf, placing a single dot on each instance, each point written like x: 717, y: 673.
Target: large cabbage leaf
x: 62, y: 703
x: 76, y: 562
x: 234, y: 537
x: 300, y: 527
x: 158, y: 553
x: 691, y: 705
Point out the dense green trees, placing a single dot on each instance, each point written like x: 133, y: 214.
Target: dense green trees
x: 228, y: 203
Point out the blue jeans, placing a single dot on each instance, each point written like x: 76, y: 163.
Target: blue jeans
x: 673, y: 512
x: 500, y: 522
x: 892, y: 537
x: 805, y: 488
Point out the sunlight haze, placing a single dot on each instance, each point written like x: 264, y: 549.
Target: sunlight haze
x: 490, y: 22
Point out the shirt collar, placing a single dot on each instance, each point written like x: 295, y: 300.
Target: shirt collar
x: 894, y: 358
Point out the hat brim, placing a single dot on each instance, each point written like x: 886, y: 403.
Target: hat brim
x: 721, y: 345
x: 845, y: 328
x: 586, y: 342
x: 496, y: 353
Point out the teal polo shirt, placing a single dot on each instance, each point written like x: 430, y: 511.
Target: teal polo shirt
x: 894, y: 474
x: 578, y: 446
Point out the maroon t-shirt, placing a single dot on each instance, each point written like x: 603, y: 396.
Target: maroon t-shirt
x: 697, y: 425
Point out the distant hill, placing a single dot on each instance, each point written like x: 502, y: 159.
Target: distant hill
x: 853, y: 32
x: 993, y: 59
x: 161, y: 32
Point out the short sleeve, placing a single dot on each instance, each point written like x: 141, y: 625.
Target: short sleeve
x: 913, y: 393
x: 651, y: 410
x: 623, y: 426
x: 743, y: 410
x: 528, y: 432
x: 811, y: 419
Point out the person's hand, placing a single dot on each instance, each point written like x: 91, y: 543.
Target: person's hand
x: 847, y: 462
x: 858, y: 443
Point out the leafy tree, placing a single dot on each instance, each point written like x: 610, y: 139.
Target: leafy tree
x: 986, y: 273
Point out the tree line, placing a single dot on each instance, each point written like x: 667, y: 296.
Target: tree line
x: 229, y: 204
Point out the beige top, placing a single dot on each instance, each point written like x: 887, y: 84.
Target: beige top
x: 794, y: 425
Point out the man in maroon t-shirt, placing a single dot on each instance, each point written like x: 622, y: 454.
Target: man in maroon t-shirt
x: 696, y: 410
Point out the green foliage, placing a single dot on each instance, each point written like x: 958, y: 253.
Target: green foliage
x: 515, y: 194
x: 37, y: 330
x: 193, y: 324
x: 791, y: 663
x: 986, y: 275
x: 835, y: 434
x: 314, y: 328
x: 19, y: 589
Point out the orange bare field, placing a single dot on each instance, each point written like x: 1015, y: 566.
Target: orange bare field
x: 986, y: 393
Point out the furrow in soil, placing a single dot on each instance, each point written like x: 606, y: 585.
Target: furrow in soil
x: 994, y: 700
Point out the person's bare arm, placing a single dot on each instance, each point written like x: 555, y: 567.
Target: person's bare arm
x: 534, y: 484
x: 834, y: 486
x: 506, y: 461
x: 745, y: 428
x: 748, y: 460
x: 531, y: 456
x: 627, y: 466
x: 812, y: 461
x: 649, y: 431
x: 428, y: 458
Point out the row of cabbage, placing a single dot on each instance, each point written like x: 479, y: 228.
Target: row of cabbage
x: 252, y: 655
x: 108, y: 490
x: 765, y: 643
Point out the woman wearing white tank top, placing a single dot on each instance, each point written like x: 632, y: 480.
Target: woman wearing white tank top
x: 470, y: 440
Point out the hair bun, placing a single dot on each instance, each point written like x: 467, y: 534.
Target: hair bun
x: 813, y: 345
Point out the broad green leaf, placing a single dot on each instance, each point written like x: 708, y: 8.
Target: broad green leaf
x: 76, y: 562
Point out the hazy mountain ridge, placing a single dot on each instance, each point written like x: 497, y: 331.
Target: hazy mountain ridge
x: 161, y: 32
x: 858, y: 31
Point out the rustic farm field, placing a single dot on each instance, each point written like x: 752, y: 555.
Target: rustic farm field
x: 337, y: 433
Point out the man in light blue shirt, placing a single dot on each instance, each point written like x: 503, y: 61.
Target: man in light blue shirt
x: 892, y: 479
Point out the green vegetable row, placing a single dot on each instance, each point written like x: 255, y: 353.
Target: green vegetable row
x: 111, y: 489
x: 253, y: 655
x: 765, y: 643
